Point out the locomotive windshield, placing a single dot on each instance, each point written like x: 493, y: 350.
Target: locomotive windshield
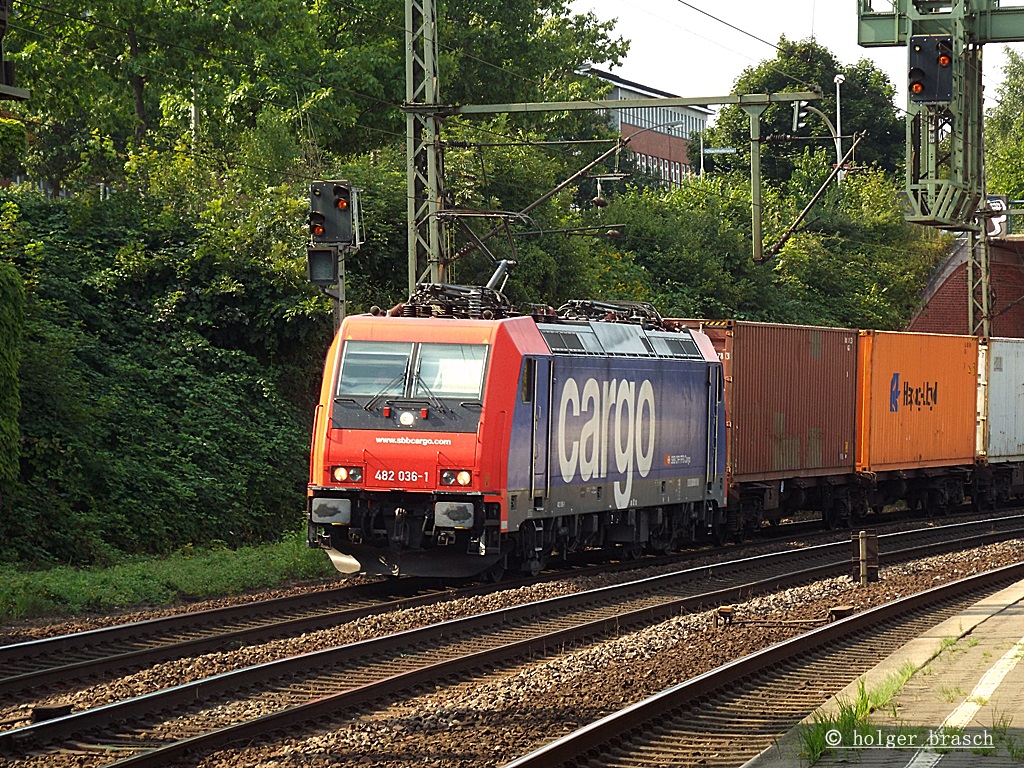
x: 382, y: 369
x: 450, y: 370
x: 371, y: 368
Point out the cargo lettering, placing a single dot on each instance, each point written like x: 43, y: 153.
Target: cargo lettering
x: 617, y: 417
x: 925, y: 396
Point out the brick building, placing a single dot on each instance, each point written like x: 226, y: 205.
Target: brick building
x: 660, y: 150
x: 945, y: 307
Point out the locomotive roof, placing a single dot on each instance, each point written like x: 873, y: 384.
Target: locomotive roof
x: 579, y: 337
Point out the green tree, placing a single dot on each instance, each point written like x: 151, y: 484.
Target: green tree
x: 1004, y: 132
x: 165, y: 381
x: 867, y: 107
x: 313, y: 78
x: 857, y: 263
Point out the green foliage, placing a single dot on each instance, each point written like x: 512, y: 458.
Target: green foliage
x: 165, y: 386
x: 13, y: 146
x: 854, y: 262
x: 857, y: 263
x: 191, y: 573
x: 867, y: 107
x: 12, y: 318
x: 277, y: 85
x: 1004, y: 132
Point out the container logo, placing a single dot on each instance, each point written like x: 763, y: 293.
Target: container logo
x: 908, y: 396
x: 611, y: 417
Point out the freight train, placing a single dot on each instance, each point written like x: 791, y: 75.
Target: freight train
x: 454, y: 438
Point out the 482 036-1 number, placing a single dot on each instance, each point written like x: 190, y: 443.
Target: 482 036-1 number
x: 403, y: 476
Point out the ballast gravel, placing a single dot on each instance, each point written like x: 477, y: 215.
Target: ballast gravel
x: 490, y: 720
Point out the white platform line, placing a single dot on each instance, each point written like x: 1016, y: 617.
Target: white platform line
x: 962, y: 716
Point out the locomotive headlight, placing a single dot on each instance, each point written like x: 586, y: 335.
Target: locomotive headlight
x: 459, y: 476
x: 347, y: 474
x: 407, y: 418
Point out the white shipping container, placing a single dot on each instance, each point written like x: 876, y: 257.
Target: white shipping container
x: 1005, y: 418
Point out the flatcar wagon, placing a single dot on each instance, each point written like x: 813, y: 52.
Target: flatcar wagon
x: 455, y: 447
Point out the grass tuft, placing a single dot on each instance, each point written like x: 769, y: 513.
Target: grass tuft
x: 191, y: 574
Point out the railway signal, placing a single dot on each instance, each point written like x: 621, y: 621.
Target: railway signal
x: 930, y: 80
x: 799, y: 115
x: 331, y: 207
x: 322, y: 266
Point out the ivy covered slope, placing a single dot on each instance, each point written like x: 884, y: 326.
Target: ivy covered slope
x: 165, y: 372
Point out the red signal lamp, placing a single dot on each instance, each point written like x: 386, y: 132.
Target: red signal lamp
x: 945, y: 59
x: 341, y: 204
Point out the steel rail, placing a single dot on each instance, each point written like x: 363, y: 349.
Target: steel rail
x: 620, y: 727
x: 146, y: 642
x: 51, y: 731
x: 32, y: 664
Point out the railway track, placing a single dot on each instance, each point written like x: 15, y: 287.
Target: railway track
x: 98, y: 652
x: 62, y: 662
x: 733, y: 713
x: 158, y: 728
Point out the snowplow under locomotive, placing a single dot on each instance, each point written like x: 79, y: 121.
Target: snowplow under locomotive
x: 454, y: 446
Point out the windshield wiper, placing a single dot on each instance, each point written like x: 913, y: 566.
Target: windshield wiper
x: 372, y: 402
x: 431, y: 398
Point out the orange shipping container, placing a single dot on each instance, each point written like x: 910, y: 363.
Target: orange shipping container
x: 916, y: 400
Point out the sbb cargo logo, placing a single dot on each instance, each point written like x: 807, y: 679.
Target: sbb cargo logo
x: 925, y: 396
x: 614, y: 417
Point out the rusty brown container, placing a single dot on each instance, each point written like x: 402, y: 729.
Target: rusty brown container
x: 791, y: 397
x: 916, y: 400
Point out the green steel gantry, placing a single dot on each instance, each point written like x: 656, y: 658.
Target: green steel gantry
x: 945, y: 162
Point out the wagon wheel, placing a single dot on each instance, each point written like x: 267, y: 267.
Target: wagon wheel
x: 838, y: 515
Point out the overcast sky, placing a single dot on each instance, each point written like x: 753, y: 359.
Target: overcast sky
x: 678, y: 49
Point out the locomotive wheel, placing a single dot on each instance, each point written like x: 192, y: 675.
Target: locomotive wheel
x: 535, y: 565
x: 719, y: 534
x: 630, y: 551
x: 496, y: 572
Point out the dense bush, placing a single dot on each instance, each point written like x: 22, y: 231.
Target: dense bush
x: 164, y: 382
x: 12, y: 312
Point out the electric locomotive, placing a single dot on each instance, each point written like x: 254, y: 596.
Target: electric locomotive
x: 455, y: 439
